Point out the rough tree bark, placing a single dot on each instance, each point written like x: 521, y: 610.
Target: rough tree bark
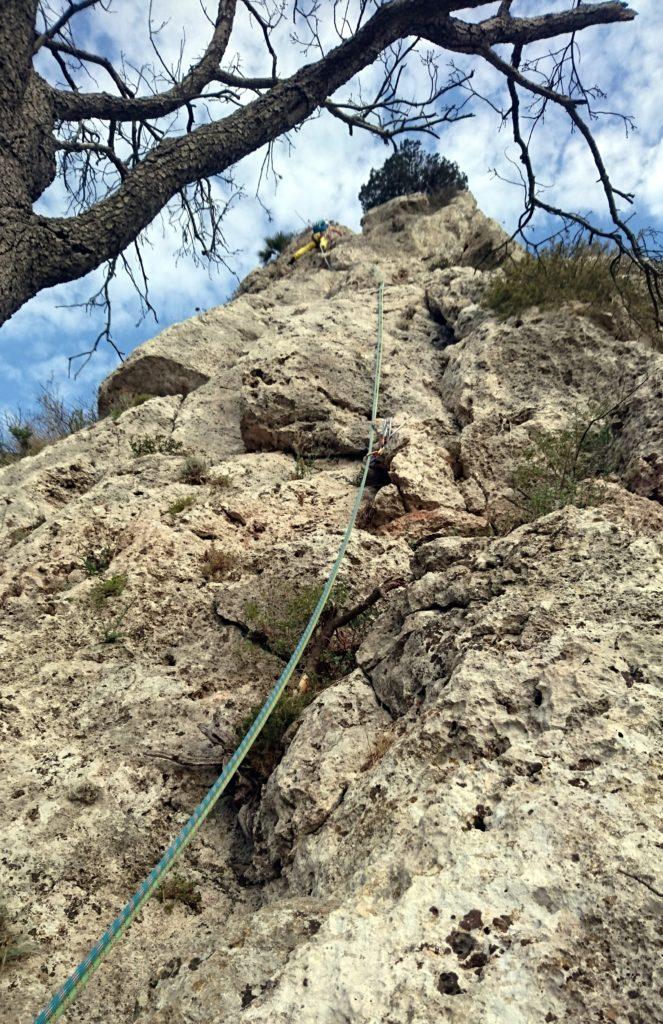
x: 38, y: 251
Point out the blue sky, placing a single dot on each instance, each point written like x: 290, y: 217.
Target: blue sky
x: 321, y: 176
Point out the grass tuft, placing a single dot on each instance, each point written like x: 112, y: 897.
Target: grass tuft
x: 181, y: 505
x: 269, y: 747
x: 106, y: 589
x: 194, y: 470
x: 156, y: 444
x: 217, y: 564
x: 573, y: 272
x: 178, y: 889
x: 125, y: 400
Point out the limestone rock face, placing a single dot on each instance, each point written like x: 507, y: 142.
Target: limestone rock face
x: 461, y: 824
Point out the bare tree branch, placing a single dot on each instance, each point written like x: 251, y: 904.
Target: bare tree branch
x: 168, y: 138
x: 67, y: 15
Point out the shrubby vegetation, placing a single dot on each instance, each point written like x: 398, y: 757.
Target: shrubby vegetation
x: 108, y: 588
x: 331, y: 655
x: 25, y: 434
x: 572, y: 272
x: 274, y: 245
x: 194, y: 470
x: 178, y: 889
x: 560, y: 468
x: 412, y: 169
x: 156, y: 444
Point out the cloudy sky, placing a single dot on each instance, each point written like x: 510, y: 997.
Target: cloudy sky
x: 319, y: 171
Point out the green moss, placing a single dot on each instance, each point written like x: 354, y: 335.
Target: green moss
x: 178, y: 889
x: 106, y: 589
x: 181, y: 505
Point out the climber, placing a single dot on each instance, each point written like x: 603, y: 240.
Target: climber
x: 323, y: 236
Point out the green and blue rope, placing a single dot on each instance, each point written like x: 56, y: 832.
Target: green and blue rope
x: 80, y: 977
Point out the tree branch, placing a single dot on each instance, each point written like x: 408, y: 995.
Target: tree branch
x: 67, y: 15
x: 73, y: 107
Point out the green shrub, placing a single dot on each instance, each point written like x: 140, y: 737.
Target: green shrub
x: 181, y: 505
x: 283, y: 618
x: 281, y: 621
x: 411, y: 169
x: 194, y: 470
x: 558, y: 469
x: 274, y: 245
x: 52, y: 419
x: 566, y: 272
x: 268, y: 749
x: 156, y: 444
x: 96, y: 562
x: 105, y: 589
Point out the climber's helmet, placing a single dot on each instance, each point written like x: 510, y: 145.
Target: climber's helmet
x: 319, y: 227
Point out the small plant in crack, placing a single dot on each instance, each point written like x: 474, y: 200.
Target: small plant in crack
x: 178, y: 889
x: 304, y: 466
x: 97, y: 560
x: 195, y: 470
x: 112, y: 634
x: 268, y: 749
x: 181, y: 505
x: 104, y: 590
x: 156, y: 444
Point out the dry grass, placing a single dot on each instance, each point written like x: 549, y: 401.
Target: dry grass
x: 195, y: 470
x: 581, y: 272
x: 218, y: 564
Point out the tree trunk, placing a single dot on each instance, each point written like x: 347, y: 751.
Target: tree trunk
x: 37, y: 252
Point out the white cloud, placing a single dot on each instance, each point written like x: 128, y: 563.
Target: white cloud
x: 321, y: 168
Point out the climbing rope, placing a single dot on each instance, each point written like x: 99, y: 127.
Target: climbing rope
x: 80, y: 977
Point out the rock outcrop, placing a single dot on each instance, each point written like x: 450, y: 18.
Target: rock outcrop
x: 462, y: 824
